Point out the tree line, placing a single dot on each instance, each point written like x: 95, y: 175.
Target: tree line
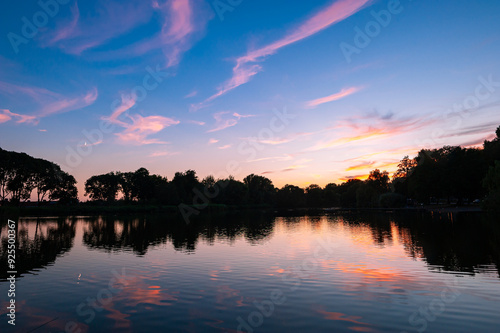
x: 452, y: 174
x: 21, y: 174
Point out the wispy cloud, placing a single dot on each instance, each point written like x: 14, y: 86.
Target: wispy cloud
x: 162, y: 154
x: 362, y: 166
x: 192, y: 94
x: 371, y: 127
x: 222, y: 121
x: 196, y: 122
x: 371, y: 133
x: 368, y: 166
x: 182, y: 23
x: 394, y: 153
x: 279, y: 141
x: 357, y: 177
x: 109, y: 20
x: 66, y: 105
x: 288, y: 169
x: 49, y: 102
x: 225, y: 147
x: 286, y: 157
x: 481, y: 129
x: 246, y: 66
x: 67, y: 28
x: 478, y: 142
x: 6, y: 116
x: 178, y: 26
x: 335, y: 97
x: 138, y: 128
x: 212, y: 141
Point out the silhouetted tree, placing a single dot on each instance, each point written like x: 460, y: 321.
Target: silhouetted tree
x: 65, y: 190
x: 314, y: 196
x: 348, y: 192
x: 126, y: 185
x: 103, y: 187
x: 20, y: 174
x: 231, y: 192
x: 331, y: 195
x: 492, y: 184
x: 290, y: 196
x: 260, y: 189
x: 185, y: 183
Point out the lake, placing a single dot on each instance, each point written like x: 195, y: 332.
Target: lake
x: 387, y: 272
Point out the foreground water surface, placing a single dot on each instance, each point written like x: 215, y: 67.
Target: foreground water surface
x: 256, y: 273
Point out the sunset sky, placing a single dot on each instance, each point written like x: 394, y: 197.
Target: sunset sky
x: 299, y: 91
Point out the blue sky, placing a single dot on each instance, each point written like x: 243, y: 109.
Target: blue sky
x: 429, y: 76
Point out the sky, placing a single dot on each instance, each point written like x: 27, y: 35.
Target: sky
x: 301, y: 92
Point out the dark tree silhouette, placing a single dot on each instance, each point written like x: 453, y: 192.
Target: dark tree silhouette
x: 185, y: 183
x: 452, y: 174
x: 103, y: 187
x: 20, y: 174
x: 492, y: 184
x: 314, y: 196
x: 291, y: 196
x: 260, y: 189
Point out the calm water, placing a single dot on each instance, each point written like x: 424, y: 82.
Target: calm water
x: 332, y: 273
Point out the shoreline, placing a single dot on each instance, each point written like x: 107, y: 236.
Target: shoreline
x: 94, y: 210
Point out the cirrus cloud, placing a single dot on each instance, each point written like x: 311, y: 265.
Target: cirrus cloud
x: 246, y: 66
x: 138, y: 129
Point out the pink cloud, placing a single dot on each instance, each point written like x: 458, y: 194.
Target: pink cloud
x: 195, y: 122
x: 191, y: 94
x: 223, y: 122
x: 68, y: 28
x: 286, y: 157
x: 335, y: 97
x: 212, y: 141
x: 139, y: 128
x: 225, y: 147
x: 246, y: 68
x: 372, y: 127
x: 40, y: 95
x: 178, y: 24
x: 142, y: 127
x: 163, y: 154
x: 126, y: 104
x: 110, y: 20
x: 182, y: 23
x: 66, y: 105
x: 6, y: 115
x: 50, y: 102
x: 288, y: 169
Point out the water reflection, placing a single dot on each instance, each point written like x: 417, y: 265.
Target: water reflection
x: 373, y: 273
x: 457, y: 243
x: 461, y: 243
x: 137, y: 234
x: 40, y: 242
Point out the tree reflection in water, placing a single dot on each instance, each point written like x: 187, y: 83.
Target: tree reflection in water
x: 460, y: 243
x: 40, y: 242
